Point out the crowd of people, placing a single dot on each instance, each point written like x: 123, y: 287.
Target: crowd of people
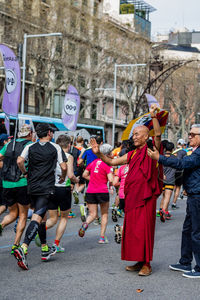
x: 43, y: 176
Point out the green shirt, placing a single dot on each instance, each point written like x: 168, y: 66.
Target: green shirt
x: 22, y: 181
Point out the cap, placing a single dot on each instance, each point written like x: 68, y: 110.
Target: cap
x: 181, y: 142
x: 44, y: 128
x: 4, y: 137
x: 24, y: 130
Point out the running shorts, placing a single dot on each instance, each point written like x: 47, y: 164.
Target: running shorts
x: 61, y: 198
x: 16, y: 195
x: 97, y: 198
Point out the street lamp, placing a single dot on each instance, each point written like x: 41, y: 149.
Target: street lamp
x: 114, y: 89
x: 24, y: 59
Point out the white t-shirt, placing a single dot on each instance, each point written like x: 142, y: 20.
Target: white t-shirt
x: 58, y: 173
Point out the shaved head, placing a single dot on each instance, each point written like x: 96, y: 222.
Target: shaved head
x: 142, y: 128
x: 140, y: 136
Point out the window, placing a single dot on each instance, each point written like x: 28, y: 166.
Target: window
x: 94, y: 111
x: 74, y: 2
x: 93, y: 84
x: 81, y: 81
x: 85, y: 2
x: 82, y: 56
x: 71, y: 78
x: 72, y: 52
x: 94, y: 59
x: 95, y: 9
x: 73, y: 22
x: 104, y: 109
x: 117, y: 111
x: 96, y: 33
x: 59, y: 98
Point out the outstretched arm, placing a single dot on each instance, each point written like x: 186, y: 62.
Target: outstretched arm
x: 109, y: 161
x: 156, y: 126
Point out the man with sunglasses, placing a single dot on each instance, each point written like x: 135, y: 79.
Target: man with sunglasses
x: 190, y: 245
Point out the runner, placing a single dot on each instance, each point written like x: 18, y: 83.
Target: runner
x: 168, y: 186
x: 62, y: 197
x: 15, y: 185
x: 98, y: 174
x: 42, y: 158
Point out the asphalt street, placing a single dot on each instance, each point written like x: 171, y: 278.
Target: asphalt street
x: 88, y: 270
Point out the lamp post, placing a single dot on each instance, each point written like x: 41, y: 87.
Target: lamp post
x: 114, y: 89
x: 24, y: 59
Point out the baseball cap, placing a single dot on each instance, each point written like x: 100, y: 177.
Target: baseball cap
x: 44, y: 128
x: 4, y: 137
x: 181, y: 142
x: 24, y: 130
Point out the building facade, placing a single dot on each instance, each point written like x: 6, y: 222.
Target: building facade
x: 93, y: 40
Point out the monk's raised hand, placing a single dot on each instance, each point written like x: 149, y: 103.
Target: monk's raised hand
x: 153, y: 154
x: 153, y: 109
x: 95, y: 146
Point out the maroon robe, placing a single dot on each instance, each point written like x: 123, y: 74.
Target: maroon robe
x: 142, y: 189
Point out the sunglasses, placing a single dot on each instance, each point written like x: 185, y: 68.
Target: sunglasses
x: 193, y: 134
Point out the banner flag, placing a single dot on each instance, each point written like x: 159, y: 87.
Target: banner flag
x: 71, y: 108
x: 151, y: 100
x: 146, y: 120
x: 11, y: 97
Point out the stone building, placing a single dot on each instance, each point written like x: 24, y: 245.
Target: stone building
x: 93, y: 40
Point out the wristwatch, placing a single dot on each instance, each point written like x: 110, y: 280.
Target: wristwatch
x: 25, y: 173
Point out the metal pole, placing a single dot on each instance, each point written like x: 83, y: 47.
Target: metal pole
x: 24, y: 73
x: 114, y: 106
x: 24, y: 59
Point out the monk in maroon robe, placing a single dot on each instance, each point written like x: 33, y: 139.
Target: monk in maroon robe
x: 142, y: 188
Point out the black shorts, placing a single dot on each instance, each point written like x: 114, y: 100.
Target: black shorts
x: 178, y: 178
x: 79, y: 172
x: 97, y: 198
x: 121, y: 203
x: 2, y: 199
x: 16, y: 195
x: 61, y: 198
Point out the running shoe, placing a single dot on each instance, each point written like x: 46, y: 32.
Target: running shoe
x: 83, y: 213
x: 20, y: 255
x: 192, y: 274
x: 47, y: 252
x: 168, y: 216
x: 13, y: 248
x: 180, y: 268
x: 120, y: 213
x: 76, y: 198
x: 97, y: 221
x: 82, y: 230
x: 162, y: 215
x: 118, y: 233
x: 174, y: 206
x: 103, y: 240
x: 59, y: 249
x: 1, y: 230
x: 37, y: 240
x: 114, y: 215
x: 71, y: 215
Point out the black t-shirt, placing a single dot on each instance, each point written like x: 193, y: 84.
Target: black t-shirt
x: 42, y: 159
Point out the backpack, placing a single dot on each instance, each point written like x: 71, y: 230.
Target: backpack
x: 10, y: 170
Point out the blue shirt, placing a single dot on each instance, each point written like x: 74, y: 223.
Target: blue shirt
x: 191, y: 166
x: 88, y: 156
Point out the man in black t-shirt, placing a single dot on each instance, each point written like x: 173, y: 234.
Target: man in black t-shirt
x: 42, y: 159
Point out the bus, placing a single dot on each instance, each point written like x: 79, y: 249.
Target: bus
x: 54, y: 122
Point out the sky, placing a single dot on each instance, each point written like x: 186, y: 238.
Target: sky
x: 174, y: 14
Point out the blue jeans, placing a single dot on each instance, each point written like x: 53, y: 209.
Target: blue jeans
x: 191, y: 233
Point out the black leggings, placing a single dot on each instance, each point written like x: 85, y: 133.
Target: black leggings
x: 40, y: 204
